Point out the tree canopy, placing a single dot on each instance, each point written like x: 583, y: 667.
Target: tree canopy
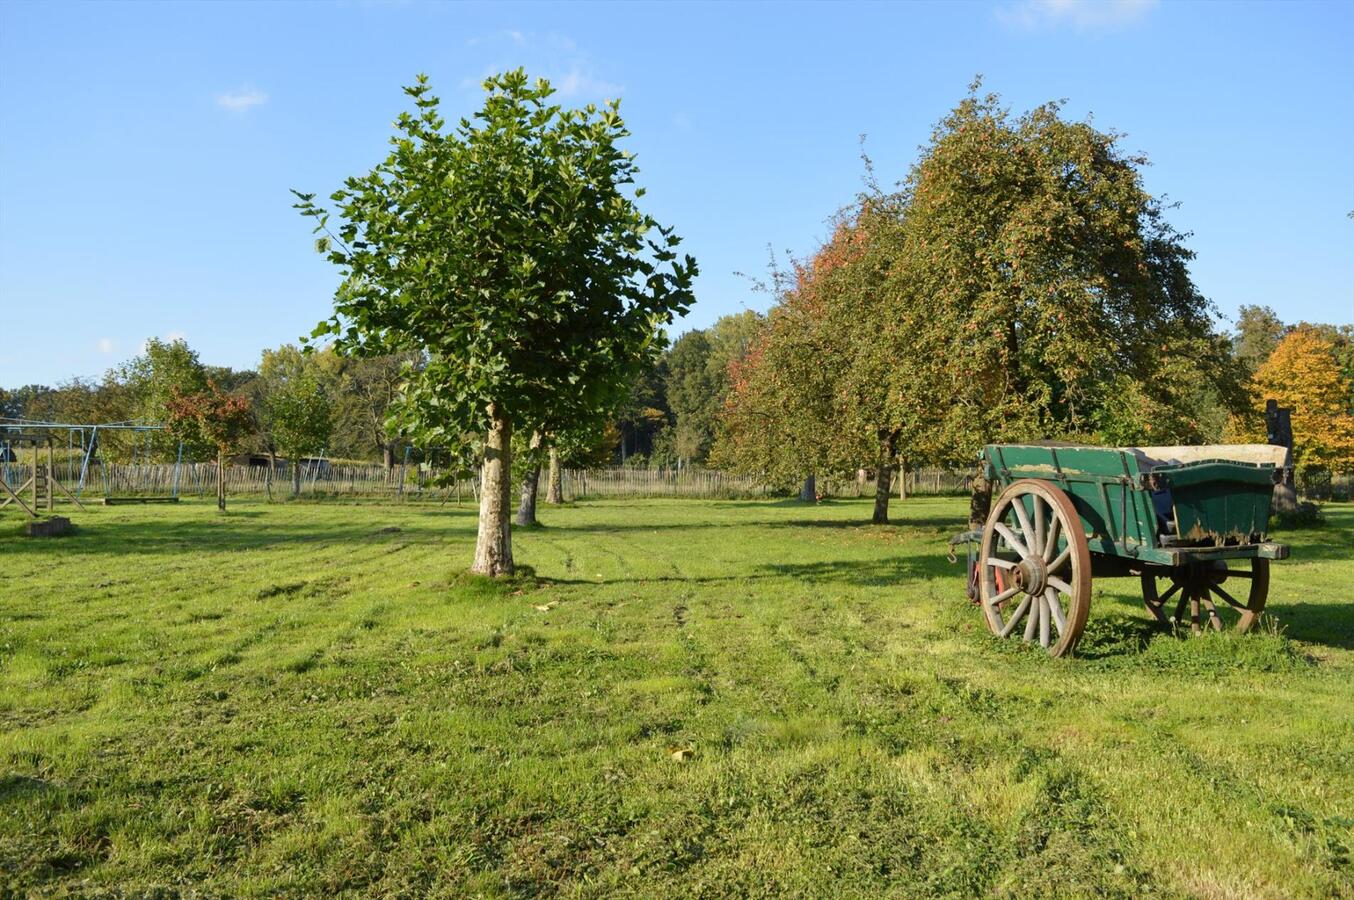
x: 1303, y: 374
x: 510, y: 251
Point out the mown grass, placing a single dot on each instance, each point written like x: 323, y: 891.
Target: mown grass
x: 695, y: 698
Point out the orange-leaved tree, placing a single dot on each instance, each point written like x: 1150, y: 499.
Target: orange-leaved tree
x: 216, y: 417
x: 1303, y: 374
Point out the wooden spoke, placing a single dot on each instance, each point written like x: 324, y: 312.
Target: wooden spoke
x: 1171, y: 593
x: 1001, y: 563
x: 1051, y: 541
x: 1011, y: 540
x: 1238, y: 573
x: 1056, y: 608
x: 1194, y: 610
x: 1032, y: 621
x: 1015, y: 617
x: 1004, y: 596
x: 1212, y: 611
x: 1060, y: 585
x: 1061, y: 560
x: 1043, y: 621
x: 1040, y: 526
x: 1180, y: 607
x: 1217, y: 589
x: 1026, y: 529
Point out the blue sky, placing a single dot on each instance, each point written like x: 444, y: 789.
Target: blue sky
x: 146, y: 151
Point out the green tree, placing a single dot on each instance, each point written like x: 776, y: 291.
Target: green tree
x: 296, y: 412
x: 510, y: 250
x: 698, y: 380
x: 643, y: 417
x: 1039, y: 276
x: 817, y: 393
x: 162, y: 371
x: 779, y: 418
x: 1258, y: 331
x: 368, y: 389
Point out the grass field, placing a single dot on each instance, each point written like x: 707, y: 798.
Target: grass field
x: 694, y: 698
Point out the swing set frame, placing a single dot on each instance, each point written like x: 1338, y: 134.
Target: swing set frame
x: 85, y: 439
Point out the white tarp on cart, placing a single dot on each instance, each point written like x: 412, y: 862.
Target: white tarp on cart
x: 1258, y: 454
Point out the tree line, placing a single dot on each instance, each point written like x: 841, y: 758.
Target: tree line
x: 1019, y: 283
x: 502, y: 301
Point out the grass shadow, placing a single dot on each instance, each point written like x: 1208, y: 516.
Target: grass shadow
x: 1331, y: 624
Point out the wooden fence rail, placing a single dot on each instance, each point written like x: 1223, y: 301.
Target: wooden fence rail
x: 329, y: 479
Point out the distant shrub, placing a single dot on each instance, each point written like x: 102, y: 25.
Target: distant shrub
x: 1307, y: 515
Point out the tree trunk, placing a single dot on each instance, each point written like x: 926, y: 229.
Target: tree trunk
x: 554, y: 492
x: 902, y: 479
x: 388, y: 457
x: 493, y: 546
x: 221, y: 480
x: 809, y: 492
x: 888, y: 443
x: 526, y: 508
x: 980, y: 501
x: 1285, y: 495
x: 296, y: 477
x: 883, y: 481
x: 1285, y: 498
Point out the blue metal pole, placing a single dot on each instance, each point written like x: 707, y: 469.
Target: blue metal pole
x: 84, y: 466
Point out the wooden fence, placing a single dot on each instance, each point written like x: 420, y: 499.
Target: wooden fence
x: 329, y: 479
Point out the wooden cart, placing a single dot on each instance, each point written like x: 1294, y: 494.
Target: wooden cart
x: 1191, y: 522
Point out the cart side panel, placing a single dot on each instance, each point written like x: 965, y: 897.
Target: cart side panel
x: 1103, y: 482
x: 1220, y: 502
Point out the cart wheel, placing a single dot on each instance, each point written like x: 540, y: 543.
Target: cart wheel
x: 1035, y: 567
x: 1196, y: 586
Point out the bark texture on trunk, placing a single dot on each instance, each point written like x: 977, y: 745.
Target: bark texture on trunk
x: 980, y: 501
x: 888, y: 444
x: 902, y: 479
x: 883, y: 484
x: 296, y: 478
x: 809, y: 492
x: 1285, y: 497
x: 221, y: 481
x: 388, y: 457
x: 493, y: 546
x: 554, y: 492
x: 526, y: 506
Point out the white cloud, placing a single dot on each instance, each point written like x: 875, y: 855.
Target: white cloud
x: 105, y: 345
x: 579, y: 82
x: 243, y: 100
x: 556, y: 57
x: 1033, y: 15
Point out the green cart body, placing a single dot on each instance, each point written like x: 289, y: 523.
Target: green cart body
x: 1193, y: 517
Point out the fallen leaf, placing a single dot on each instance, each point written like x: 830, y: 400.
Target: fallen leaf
x: 681, y: 754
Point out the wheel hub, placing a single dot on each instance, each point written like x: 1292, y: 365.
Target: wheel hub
x: 1031, y: 575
